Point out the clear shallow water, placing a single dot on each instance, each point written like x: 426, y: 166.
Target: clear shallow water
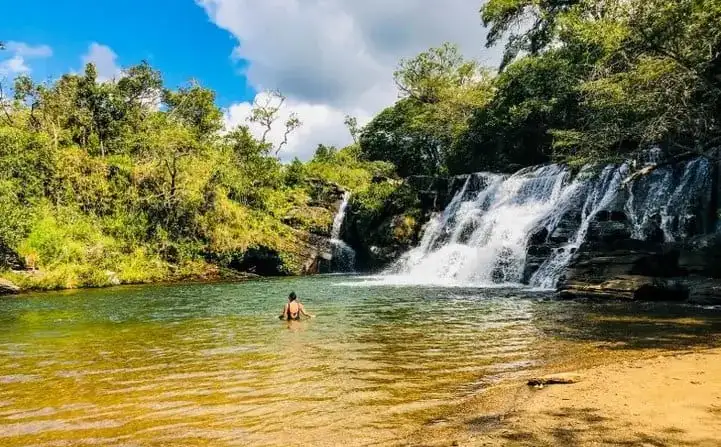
x: 213, y: 365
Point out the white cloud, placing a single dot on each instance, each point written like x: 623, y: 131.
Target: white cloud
x: 19, y: 53
x: 339, y: 55
x: 14, y: 65
x: 22, y: 49
x: 320, y: 124
x: 105, y: 61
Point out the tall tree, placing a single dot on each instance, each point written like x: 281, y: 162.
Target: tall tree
x: 351, y: 123
x: 266, y: 112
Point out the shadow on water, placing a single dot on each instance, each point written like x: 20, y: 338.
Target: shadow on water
x: 634, y: 326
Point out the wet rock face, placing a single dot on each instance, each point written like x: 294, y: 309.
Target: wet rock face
x: 632, y: 269
x: 606, y: 232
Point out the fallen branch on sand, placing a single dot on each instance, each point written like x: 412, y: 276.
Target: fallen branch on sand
x: 558, y: 379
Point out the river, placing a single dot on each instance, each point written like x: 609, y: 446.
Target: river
x: 211, y: 364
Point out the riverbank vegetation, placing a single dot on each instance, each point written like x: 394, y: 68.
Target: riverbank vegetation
x: 107, y: 182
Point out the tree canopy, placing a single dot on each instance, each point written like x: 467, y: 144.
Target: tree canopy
x: 131, y: 181
x: 580, y: 80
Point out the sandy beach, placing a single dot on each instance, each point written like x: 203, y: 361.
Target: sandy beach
x: 673, y: 399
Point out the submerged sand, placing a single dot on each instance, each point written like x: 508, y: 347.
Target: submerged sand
x: 672, y: 399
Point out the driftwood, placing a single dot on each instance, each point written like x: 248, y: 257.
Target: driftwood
x: 558, y: 379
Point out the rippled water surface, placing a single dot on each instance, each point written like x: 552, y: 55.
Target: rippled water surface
x: 213, y: 365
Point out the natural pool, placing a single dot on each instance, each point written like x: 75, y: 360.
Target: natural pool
x: 211, y: 364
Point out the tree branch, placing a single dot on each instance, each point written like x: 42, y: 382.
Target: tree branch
x: 646, y: 170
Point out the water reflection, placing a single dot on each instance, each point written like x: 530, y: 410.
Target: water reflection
x: 213, y: 365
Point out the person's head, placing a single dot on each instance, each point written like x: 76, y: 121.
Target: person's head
x: 292, y: 296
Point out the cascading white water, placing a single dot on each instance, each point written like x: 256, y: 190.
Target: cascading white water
x: 343, y: 255
x: 339, y: 217
x: 661, y: 204
x: 599, y: 194
x: 483, y: 235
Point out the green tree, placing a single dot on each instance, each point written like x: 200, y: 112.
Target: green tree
x: 440, y: 92
x: 195, y: 106
x: 657, y: 81
x: 351, y: 123
x: 427, y: 77
x: 529, y: 25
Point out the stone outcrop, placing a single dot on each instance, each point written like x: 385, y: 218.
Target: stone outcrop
x: 434, y: 192
x: 10, y: 259
x: 612, y: 265
x: 8, y: 288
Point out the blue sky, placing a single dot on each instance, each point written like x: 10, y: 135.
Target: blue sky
x: 175, y: 36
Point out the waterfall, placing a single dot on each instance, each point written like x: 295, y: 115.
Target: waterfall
x: 599, y: 194
x: 491, y: 231
x: 343, y: 256
x: 661, y: 205
x: 481, y: 237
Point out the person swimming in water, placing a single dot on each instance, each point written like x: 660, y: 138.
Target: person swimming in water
x: 293, y: 309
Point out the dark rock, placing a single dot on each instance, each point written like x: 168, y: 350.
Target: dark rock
x: 608, y: 230
x: 434, y: 192
x: 532, y: 266
x: 706, y: 291
x: 701, y: 256
x: 602, y: 216
x: 10, y: 259
x: 539, y: 237
x: 539, y: 251
x: 618, y: 216
x: 562, y: 234
x: 260, y: 261
x: 639, y: 288
x: 8, y: 288
x: 594, y: 264
x: 624, y: 268
x: 318, y: 255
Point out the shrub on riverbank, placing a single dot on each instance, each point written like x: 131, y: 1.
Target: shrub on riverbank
x: 101, y: 186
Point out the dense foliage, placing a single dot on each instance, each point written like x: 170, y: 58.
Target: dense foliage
x: 581, y: 80
x: 128, y: 181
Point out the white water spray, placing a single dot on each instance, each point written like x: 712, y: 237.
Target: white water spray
x: 343, y: 255
x: 482, y: 237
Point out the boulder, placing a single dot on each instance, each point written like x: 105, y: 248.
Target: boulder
x: 701, y: 256
x: 624, y: 269
x: 704, y: 291
x: 8, y: 288
x: 598, y: 260
x: 629, y: 287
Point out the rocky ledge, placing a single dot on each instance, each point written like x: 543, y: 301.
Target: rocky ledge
x: 629, y: 269
x: 8, y: 288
